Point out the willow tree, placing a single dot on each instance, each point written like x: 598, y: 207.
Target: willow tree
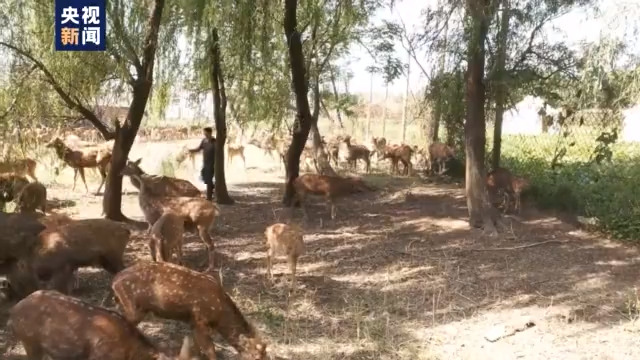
x: 330, y: 28
x: 74, y: 77
x: 79, y: 78
x: 233, y: 54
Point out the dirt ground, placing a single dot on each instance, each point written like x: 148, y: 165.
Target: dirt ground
x: 398, y: 274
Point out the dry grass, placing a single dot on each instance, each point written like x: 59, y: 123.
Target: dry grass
x: 398, y: 275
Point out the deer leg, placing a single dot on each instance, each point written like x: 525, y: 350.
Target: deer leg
x: 202, y: 336
x: 505, y: 201
x: 81, y: 172
x: 292, y: 267
x: 103, y: 175
x: 33, y: 350
x: 75, y: 178
x: 332, y: 206
x: 269, y: 264
x: 153, y: 249
x: 244, y: 162
x: 179, y: 253
x: 63, y: 280
x: 203, y: 231
x: 129, y: 309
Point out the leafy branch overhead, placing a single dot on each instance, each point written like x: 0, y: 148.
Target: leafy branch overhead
x: 380, y: 43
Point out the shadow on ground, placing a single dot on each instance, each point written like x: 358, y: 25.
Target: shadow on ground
x: 396, y: 262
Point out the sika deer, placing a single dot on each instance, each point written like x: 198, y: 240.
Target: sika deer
x: 33, y: 196
x: 167, y: 235
x: 175, y: 292
x: 55, y: 219
x: 519, y: 184
x: 357, y: 152
x: 398, y: 153
x: 267, y: 144
x: 21, y: 167
x: 285, y: 240
x: 18, y: 234
x: 96, y: 157
x: 331, y: 187
x: 500, y: 180
x: 61, y: 250
x: 234, y: 151
x: 379, y: 143
x: 439, y: 154
x: 11, y: 186
x: 18, y: 237
x: 333, y: 149
x: 51, y: 324
x: 198, y: 213
x: 160, y: 185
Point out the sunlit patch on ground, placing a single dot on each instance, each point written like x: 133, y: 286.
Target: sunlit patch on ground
x: 398, y: 275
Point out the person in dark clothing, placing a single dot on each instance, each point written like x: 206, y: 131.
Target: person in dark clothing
x: 208, y: 148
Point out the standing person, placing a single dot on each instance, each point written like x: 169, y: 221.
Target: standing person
x: 208, y: 148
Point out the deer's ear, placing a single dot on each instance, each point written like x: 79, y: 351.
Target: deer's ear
x: 137, y: 162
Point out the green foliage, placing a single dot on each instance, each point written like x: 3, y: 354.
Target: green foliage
x: 345, y: 103
x: 83, y: 77
x: 447, y: 98
x: 380, y: 42
x: 605, y: 190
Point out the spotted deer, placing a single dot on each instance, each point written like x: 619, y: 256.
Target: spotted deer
x: 284, y: 240
x: 174, y: 292
x: 51, y: 324
x: 199, y: 214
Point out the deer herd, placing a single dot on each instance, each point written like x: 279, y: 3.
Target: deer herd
x: 41, y: 251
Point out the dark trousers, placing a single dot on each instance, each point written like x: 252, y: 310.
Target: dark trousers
x: 207, y: 178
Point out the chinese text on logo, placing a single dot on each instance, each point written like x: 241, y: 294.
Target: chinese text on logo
x: 80, y: 25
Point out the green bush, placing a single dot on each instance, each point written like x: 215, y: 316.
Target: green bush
x: 605, y: 191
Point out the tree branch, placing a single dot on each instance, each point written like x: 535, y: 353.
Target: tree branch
x: 411, y: 49
x: 71, y: 104
x: 150, y: 44
x: 129, y: 52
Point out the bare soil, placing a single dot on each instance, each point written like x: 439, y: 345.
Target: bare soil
x: 398, y: 274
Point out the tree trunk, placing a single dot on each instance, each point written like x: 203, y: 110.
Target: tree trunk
x: 368, y: 130
x: 405, y: 104
x: 125, y: 135
x: 500, y: 87
x: 385, y: 110
x: 336, y: 95
x: 302, y: 124
x: 481, y: 213
x: 321, y: 159
x: 326, y: 110
x: 433, y: 124
x: 220, y: 116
